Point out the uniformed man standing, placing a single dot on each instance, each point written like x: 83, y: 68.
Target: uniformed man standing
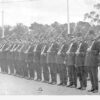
x: 31, y: 66
x: 13, y: 57
x: 51, y: 60
x: 79, y: 61
x: 17, y: 58
x: 2, y: 57
x: 61, y: 65
x: 37, y: 54
x: 24, y: 64
x: 71, y: 63
x: 91, y: 60
x: 10, y: 58
x: 4, y: 54
x: 44, y: 64
x: 20, y: 63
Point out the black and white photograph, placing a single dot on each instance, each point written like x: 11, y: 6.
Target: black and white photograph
x: 50, y: 47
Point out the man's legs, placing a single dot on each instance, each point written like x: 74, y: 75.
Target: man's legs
x: 25, y: 69
x: 84, y: 77
x: 74, y: 76
x: 45, y: 72
x: 64, y: 74
x: 53, y: 72
x: 59, y: 71
x: 39, y: 71
x: 70, y: 76
x: 90, y: 69
x: 95, y: 77
x: 31, y: 70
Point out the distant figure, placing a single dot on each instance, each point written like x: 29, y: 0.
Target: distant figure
x: 51, y: 60
x: 30, y: 61
x: 91, y: 60
x: 61, y: 65
x: 37, y: 56
x: 71, y: 63
x: 79, y: 62
x: 44, y: 64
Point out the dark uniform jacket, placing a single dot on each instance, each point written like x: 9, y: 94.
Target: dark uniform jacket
x: 10, y: 54
x: 71, y: 55
x: 80, y: 57
x: 37, y: 53
x: 52, y: 53
x: 3, y: 54
x: 91, y: 59
x: 4, y: 51
x: 44, y: 54
x: 31, y: 53
x: 13, y: 52
x: 24, y: 53
x: 17, y: 53
x: 61, y: 55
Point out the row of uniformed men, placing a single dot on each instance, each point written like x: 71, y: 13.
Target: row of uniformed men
x: 26, y: 59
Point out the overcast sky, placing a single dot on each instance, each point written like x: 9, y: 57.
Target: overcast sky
x: 44, y: 11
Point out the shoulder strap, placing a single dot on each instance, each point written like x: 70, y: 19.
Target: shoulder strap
x: 50, y: 48
x: 44, y: 47
x: 68, y: 51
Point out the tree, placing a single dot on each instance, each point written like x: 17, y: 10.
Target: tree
x: 37, y: 28
x: 0, y: 32
x: 82, y: 27
x: 8, y: 30
x: 20, y: 31
x: 94, y: 16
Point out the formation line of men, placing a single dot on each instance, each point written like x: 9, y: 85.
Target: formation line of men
x: 43, y: 61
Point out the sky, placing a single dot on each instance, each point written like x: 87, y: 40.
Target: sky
x: 43, y: 11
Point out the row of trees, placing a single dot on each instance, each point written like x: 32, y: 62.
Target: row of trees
x: 36, y: 31
x: 55, y: 31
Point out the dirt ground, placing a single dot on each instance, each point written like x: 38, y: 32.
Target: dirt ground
x: 12, y: 85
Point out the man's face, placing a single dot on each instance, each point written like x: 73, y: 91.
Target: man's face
x: 72, y: 39
x: 78, y: 39
x: 91, y: 37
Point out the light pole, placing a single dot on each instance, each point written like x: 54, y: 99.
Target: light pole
x: 68, y: 18
x: 3, y: 21
x: 2, y: 16
x: 3, y: 24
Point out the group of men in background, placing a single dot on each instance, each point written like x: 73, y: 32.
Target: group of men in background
x: 43, y: 61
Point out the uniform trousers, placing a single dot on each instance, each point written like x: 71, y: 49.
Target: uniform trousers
x: 45, y: 72
x: 11, y: 63
x: 31, y: 68
x: 93, y: 73
x: 62, y: 71
x: 17, y: 63
x: 5, y: 63
x: 24, y: 68
x: 1, y: 61
x: 53, y: 71
x: 72, y: 75
x: 38, y: 70
x: 82, y: 74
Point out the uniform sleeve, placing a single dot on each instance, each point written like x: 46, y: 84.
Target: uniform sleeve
x: 85, y: 47
x: 98, y: 46
x: 75, y: 47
